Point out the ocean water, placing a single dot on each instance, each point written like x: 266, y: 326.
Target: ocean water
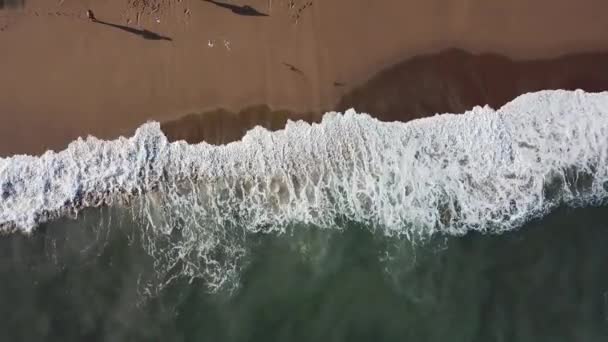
x: 484, y: 226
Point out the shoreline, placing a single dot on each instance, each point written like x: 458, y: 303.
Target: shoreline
x: 94, y: 172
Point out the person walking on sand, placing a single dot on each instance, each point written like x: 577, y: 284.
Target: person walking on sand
x: 91, y: 15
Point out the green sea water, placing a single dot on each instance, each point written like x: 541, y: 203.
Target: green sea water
x: 74, y: 281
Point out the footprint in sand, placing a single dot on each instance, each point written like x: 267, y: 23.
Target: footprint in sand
x: 296, y: 17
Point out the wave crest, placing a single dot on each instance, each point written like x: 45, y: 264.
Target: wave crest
x: 485, y: 170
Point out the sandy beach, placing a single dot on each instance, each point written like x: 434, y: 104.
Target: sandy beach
x: 64, y: 76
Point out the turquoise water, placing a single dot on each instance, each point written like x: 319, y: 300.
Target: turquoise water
x: 89, y: 279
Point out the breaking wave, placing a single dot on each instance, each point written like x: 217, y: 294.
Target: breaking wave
x: 486, y: 170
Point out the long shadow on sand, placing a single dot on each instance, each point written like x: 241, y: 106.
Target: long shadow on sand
x: 142, y: 33
x: 240, y: 10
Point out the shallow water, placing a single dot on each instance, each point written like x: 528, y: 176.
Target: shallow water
x: 82, y: 280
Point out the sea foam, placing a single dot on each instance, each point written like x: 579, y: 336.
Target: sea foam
x: 485, y: 170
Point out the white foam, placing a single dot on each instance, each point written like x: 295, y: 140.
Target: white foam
x: 482, y: 170
x: 485, y: 170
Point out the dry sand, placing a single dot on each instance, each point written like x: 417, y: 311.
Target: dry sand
x: 64, y: 76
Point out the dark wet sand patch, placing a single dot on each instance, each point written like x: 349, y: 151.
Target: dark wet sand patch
x: 451, y: 81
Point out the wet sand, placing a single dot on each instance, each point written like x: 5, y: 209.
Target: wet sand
x: 452, y: 81
x: 64, y: 76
